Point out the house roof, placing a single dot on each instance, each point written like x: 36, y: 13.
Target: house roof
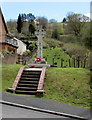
x: 3, y: 20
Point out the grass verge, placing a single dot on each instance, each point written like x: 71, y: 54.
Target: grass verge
x: 9, y: 73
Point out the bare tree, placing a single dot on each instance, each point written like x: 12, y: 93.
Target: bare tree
x: 76, y: 22
x: 42, y: 21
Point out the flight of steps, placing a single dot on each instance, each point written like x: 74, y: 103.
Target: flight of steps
x: 28, y: 82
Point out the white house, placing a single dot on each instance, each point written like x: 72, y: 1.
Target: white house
x: 21, y: 47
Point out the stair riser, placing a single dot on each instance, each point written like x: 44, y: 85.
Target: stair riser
x: 31, y: 72
x: 30, y: 79
x: 27, y: 85
x: 21, y: 89
x: 29, y: 82
x: 24, y: 75
x: 27, y: 93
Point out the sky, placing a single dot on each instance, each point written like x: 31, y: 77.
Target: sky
x: 50, y: 10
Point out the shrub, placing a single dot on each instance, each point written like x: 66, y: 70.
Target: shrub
x: 75, y: 50
x: 32, y: 46
x: 27, y: 52
x: 67, y: 38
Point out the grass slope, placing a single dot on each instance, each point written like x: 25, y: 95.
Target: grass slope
x: 9, y: 73
x: 68, y: 85
x: 58, y: 54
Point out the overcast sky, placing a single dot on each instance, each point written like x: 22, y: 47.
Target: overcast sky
x: 50, y: 10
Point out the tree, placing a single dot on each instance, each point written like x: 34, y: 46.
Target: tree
x: 64, y: 20
x: 86, y: 37
x: 11, y: 24
x: 23, y: 17
x: 52, y: 21
x: 55, y: 32
x: 42, y: 21
x: 19, y: 24
x: 76, y: 23
x: 31, y: 29
x: 30, y: 17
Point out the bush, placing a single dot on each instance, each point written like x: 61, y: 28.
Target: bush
x: 75, y: 50
x: 67, y: 38
x: 52, y: 42
x: 27, y: 52
x: 32, y: 46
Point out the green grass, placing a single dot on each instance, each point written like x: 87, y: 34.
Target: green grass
x: 9, y: 73
x: 68, y: 85
x: 58, y: 54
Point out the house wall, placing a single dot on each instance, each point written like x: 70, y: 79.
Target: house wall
x: 0, y: 28
x: 21, y: 47
x: 3, y: 31
x: 9, y: 59
x: 7, y: 47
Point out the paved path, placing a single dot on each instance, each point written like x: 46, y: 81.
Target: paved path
x: 47, y: 104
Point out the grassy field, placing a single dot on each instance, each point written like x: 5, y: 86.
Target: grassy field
x: 66, y: 85
x: 58, y: 54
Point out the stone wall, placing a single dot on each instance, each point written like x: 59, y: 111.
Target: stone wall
x: 24, y: 59
x: 8, y: 59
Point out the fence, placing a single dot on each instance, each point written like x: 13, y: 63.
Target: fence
x: 76, y: 63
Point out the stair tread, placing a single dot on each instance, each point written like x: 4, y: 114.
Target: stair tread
x: 27, y: 87
x: 26, y: 93
x: 23, y: 84
x: 31, y: 75
x: 25, y: 73
x: 30, y: 78
x: 32, y: 71
x: 29, y: 81
x: 23, y: 91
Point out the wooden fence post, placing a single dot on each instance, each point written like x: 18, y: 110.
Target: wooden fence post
x: 74, y: 62
x: 78, y: 61
x: 84, y: 63
x: 53, y: 61
x: 62, y: 62
x: 81, y: 64
x: 69, y: 63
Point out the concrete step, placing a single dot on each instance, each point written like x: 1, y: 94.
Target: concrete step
x: 28, y: 82
x: 25, y: 92
x: 27, y: 88
x: 30, y: 79
x: 31, y: 76
x: 27, y: 85
x: 32, y: 72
